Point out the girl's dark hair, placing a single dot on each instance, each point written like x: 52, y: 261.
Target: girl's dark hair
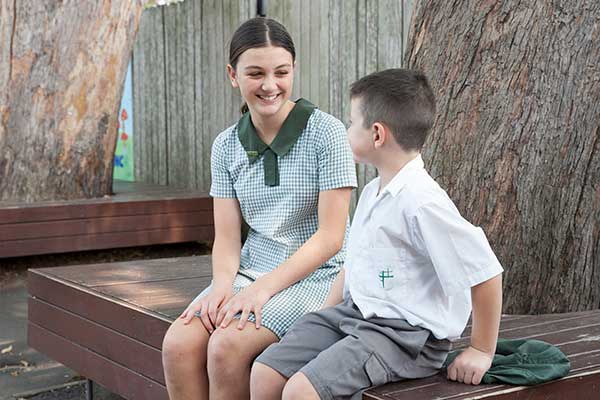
x: 259, y: 32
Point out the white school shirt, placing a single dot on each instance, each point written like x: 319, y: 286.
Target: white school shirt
x: 411, y: 255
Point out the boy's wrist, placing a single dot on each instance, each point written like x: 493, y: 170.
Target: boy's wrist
x: 488, y: 353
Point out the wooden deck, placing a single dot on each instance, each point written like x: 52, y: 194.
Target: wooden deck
x: 107, y: 321
x: 138, y: 214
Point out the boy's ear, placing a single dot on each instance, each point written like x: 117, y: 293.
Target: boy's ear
x: 380, y: 134
x: 232, y: 76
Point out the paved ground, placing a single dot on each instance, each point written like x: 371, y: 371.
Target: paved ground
x: 27, y: 374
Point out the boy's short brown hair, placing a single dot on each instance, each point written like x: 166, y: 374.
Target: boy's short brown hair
x: 400, y: 99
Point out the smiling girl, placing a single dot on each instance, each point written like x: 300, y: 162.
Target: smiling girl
x: 286, y: 169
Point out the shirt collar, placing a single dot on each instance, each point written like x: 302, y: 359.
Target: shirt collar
x: 403, y: 176
x: 287, y: 136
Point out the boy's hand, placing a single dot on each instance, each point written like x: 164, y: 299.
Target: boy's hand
x: 470, y: 366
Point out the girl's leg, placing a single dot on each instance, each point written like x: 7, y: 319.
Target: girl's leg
x: 184, y: 360
x: 266, y: 383
x: 230, y: 355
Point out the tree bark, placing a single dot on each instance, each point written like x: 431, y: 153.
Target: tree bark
x: 516, y: 140
x: 62, y: 69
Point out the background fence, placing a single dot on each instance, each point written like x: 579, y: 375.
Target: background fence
x: 182, y: 98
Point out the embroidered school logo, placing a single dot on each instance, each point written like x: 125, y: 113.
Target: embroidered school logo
x: 383, y: 275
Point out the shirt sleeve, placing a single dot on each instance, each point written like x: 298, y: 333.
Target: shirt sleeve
x: 460, y: 252
x: 336, y: 165
x: 221, y: 182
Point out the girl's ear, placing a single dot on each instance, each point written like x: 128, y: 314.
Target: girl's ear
x: 232, y: 76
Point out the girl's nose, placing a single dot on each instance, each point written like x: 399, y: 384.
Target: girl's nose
x: 268, y: 84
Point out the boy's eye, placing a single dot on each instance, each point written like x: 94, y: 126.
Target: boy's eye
x: 282, y: 72
x: 255, y: 73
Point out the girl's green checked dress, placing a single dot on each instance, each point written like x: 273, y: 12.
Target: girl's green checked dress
x: 278, y: 188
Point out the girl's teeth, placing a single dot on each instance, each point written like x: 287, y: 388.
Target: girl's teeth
x: 269, y: 97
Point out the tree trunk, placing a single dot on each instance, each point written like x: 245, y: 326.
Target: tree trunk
x: 516, y: 140
x: 62, y: 69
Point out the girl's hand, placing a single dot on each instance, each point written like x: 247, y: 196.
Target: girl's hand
x: 208, y: 307
x: 250, y: 299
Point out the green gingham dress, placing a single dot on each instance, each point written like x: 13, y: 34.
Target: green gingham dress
x: 282, y: 217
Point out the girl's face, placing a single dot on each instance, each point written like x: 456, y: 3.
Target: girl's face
x: 265, y: 77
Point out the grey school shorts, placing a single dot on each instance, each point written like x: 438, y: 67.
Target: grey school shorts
x: 342, y: 354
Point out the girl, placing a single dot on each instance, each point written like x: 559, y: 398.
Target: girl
x: 287, y: 170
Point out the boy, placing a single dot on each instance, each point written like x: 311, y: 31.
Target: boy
x: 413, y: 268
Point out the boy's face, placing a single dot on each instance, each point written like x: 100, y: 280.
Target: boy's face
x: 361, y: 138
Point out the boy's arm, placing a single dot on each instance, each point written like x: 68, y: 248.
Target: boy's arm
x: 470, y: 366
x: 335, y: 295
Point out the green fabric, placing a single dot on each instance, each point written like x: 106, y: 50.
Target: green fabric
x: 523, y: 362
x: 287, y: 136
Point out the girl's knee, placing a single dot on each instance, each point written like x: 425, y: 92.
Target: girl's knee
x: 183, y: 342
x: 225, y: 352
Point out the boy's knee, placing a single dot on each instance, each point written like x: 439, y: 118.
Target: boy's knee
x: 265, y: 382
x: 299, y: 387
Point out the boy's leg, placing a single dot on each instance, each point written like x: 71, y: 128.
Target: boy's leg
x: 304, y: 341
x: 370, y: 355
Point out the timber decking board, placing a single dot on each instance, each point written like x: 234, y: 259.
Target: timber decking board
x: 117, y: 347
x: 35, y: 230
x: 137, y: 322
x: 119, y: 379
x: 137, y: 215
x: 137, y: 301
x: 111, y: 240
x: 128, y: 272
x: 96, y: 208
x: 161, y: 297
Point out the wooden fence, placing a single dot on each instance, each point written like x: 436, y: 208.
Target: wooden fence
x: 182, y: 98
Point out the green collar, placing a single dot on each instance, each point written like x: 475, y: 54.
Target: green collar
x: 287, y: 136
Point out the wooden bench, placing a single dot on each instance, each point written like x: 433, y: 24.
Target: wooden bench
x: 138, y: 214
x: 107, y: 321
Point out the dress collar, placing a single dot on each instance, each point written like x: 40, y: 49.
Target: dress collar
x: 285, y: 139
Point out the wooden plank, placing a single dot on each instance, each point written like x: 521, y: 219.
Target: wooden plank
x: 438, y: 387
x: 97, y: 209
x: 119, y: 379
x: 168, y: 298
x: 16, y: 248
x: 180, y: 95
x: 211, y: 65
x: 390, y: 34
x: 139, y: 323
x: 61, y: 228
x: 112, y: 345
x: 323, y: 58
x: 576, y: 334
x: 149, y: 96
x: 117, y: 273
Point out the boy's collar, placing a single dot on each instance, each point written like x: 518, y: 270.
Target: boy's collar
x: 401, y: 178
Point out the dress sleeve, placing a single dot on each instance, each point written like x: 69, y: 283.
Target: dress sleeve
x: 460, y: 252
x: 221, y: 182
x: 336, y: 165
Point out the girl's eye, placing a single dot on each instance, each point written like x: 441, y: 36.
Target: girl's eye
x: 254, y: 74
x: 282, y: 72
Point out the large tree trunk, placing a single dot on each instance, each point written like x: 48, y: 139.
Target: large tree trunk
x: 62, y: 69
x: 516, y: 141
